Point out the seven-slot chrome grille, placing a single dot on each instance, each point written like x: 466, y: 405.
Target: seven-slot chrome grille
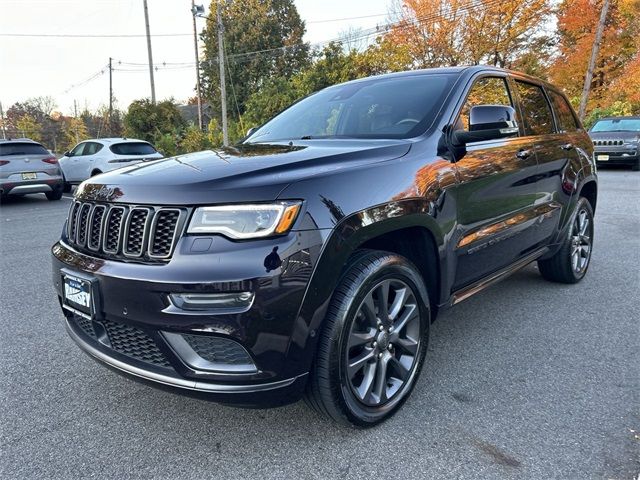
x: 128, y: 232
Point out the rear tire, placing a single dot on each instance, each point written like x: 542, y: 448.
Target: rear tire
x: 56, y: 194
x: 372, y: 345
x: 95, y: 172
x: 636, y: 166
x: 570, y: 263
x: 66, y: 188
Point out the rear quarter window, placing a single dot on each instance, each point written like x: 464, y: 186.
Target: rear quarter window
x: 564, y: 113
x: 132, y: 148
x: 16, y: 148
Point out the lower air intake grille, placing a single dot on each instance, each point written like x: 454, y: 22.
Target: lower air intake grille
x: 218, y: 350
x: 134, y: 343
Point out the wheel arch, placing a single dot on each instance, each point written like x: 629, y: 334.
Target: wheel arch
x: 589, y: 190
x: 387, y: 227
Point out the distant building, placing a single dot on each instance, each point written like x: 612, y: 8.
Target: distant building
x: 190, y: 113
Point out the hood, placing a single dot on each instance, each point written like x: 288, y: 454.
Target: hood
x: 242, y: 173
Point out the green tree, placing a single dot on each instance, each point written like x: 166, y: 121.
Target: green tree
x: 147, y: 121
x: 28, y: 127
x: 271, y: 28
x: 75, y: 131
x: 194, y: 140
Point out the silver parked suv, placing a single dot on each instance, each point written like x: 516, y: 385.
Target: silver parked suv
x: 28, y: 167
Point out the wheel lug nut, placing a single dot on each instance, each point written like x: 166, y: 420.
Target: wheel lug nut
x: 390, y: 346
x: 375, y: 344
x: 379, y: 355
x: 381, y: 328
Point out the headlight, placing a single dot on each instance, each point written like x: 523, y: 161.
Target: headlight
x: 245, y: 221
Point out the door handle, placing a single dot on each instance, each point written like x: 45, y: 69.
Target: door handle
x: 567, y: 146
x: 523, y: 154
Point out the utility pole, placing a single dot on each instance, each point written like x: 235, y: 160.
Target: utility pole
x: 4, y: 129
x: 146, y: 23
x: 194, y: 11
x: 592, y: 62
x: 110, y: 89
x: 223, y: 89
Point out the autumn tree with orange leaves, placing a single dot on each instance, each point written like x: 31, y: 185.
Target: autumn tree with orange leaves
x: 434, y: 33
x: 616, y: 82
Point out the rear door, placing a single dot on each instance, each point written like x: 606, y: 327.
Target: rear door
x: 496, y: 193
x: 555, y: 151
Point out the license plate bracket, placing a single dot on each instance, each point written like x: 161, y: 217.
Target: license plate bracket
x: 29, y: 176
x: 79, y: 294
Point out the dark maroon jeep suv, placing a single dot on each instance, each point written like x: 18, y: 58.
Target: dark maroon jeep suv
x: 310, y: 259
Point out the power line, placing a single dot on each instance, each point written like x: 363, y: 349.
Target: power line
x: 90, y: 35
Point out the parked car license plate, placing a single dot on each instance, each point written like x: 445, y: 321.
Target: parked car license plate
x: 29, y: 176
x: 77, y: 295
x: 602, y: 158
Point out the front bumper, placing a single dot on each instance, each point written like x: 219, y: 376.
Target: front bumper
x: 616, y: 155
x: 131, y: 300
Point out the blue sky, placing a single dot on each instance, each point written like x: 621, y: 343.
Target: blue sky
x: 60, y: 66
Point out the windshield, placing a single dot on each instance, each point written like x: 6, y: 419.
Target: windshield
x: 617, y: 125
x: 400, y: 107
x: 132, y: 148
x: 16, y: 148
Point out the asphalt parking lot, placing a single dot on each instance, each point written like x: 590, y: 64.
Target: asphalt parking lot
x: 526, y: 380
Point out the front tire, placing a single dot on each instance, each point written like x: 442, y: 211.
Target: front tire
x: 570, y: 263
x: 373, y: 343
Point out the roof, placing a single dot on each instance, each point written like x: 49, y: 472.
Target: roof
x: 622, y: 117
x: 21, y: 140
x: 114, y: 140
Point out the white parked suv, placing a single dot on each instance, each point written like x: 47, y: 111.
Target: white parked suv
x: 95, y: 156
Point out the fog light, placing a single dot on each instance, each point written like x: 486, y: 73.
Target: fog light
x: 227, y: 302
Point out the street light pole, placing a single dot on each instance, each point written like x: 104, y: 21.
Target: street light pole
x: 223, y: 89
x: 146, y: 22
x: 194, y: 11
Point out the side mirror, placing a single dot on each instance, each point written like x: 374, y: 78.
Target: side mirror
x: 67, y: 154
x: 488, y: 122
x: 251, y: 131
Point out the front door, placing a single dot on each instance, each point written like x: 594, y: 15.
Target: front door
x: 495, y: 195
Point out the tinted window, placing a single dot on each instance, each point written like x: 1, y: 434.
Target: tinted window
x: 16, y: 148
x: 564, y: 113
x: 485, y: 91
x: 617, y: 125
x: 535, y: 108
x: 399, y: 107
x: 132, y: 148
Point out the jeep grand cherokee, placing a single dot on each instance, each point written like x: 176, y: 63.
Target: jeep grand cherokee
x: 310, y: 259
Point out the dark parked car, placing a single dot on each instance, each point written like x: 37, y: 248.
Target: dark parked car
x: 28, y: 167
x: 616, y: 141
x: 311, y: 258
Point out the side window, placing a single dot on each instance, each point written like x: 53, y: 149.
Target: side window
x: 79, y: 149
x: 564, y: 113
x: 535, y: 109
x: 92, y: 148
x: 485, y: 91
